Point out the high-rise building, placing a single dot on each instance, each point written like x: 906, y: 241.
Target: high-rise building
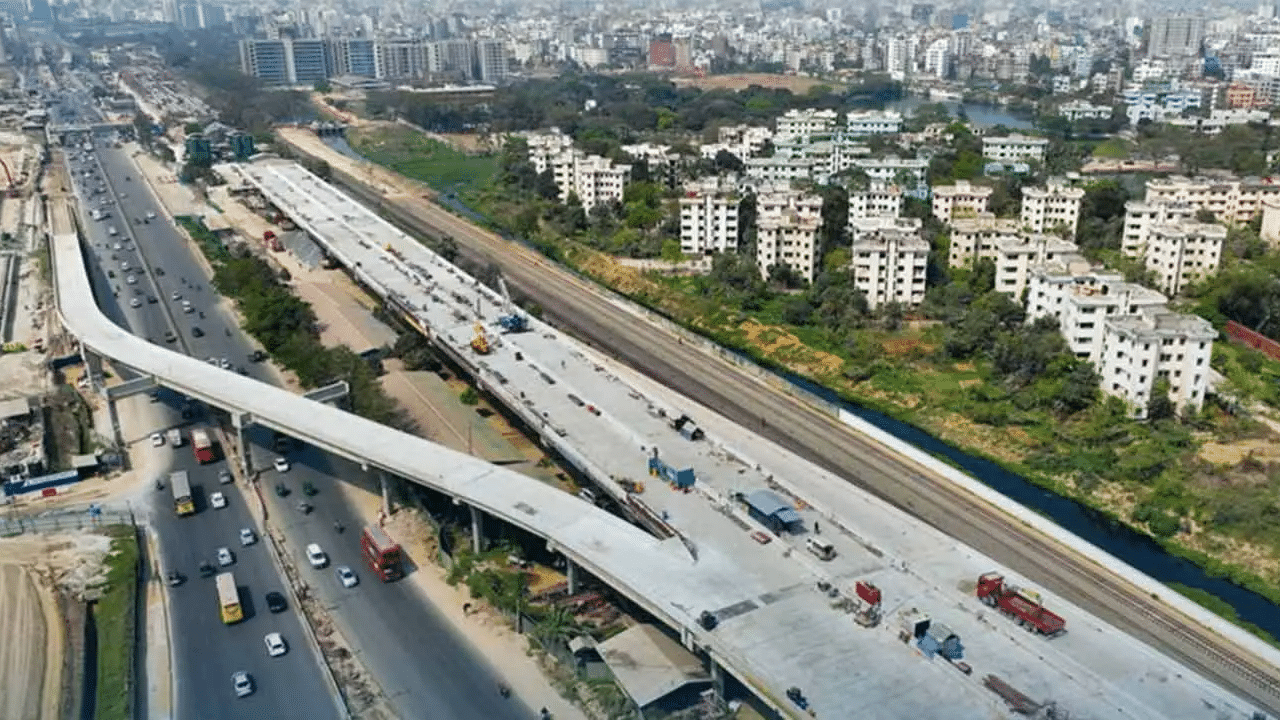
x: 401, y: 58
x: 308, y: 61
x: 492, y: 65
x: 267, y: 60
x: 890, y: 266
x: 709, y: 218
x: 1175, y: 36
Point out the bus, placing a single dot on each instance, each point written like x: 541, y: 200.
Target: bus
x: 182, y: 502
x: 229, y: 599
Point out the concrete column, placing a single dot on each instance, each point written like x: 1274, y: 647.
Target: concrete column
x: 477, y: 530
x: 717, y: 677
x: 238, y: 420
x: 386, y: 494
x: 571, y: 572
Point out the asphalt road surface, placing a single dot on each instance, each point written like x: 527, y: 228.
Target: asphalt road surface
x: 205, y: 651
x: 576, y: 306
x: 423, y: 666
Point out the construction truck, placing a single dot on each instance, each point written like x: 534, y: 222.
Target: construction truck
x: 1024, y: 606
x: 480, y: 343
x: 511, y: 320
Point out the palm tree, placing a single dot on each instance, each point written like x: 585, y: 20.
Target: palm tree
x: 557, y: 626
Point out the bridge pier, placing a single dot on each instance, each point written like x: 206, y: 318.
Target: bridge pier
x: 571, y: 573
x: 241, y: 421
x: 477, y: 529
x: 385, y: 487
x: 717, y: 676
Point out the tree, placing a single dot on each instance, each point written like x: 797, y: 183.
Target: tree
x: 1160, y: 407
x: 726, y: 161
x: 1079, y: 388
x: 797, y: 311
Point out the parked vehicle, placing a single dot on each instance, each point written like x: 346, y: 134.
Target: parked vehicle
x: 1024, y: 606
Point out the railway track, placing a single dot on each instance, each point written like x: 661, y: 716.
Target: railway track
x: 827, y: 442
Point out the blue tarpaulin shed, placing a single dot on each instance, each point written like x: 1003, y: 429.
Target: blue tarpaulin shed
x: 766, y: 507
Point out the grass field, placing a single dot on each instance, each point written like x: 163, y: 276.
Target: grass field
x: 410, y: 153
x: 116, y: 633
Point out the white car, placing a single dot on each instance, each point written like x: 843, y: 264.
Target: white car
x: 174, y: 296
x: 132, y: 279
x: 157, y: 440
x: 225, y: 557
x: 151, y: 216
x: 348, y: 578
x: 281, y: 465
x: 248, y: 536
x: 218, y: 500
x: 316, y: 556
x: 135, y: 303
x: 275, y: 644
x: 242, y: 683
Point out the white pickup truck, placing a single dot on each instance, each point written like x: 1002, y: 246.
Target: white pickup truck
x: 175, y: 437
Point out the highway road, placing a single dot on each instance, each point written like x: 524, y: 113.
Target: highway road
x: 579, y: 308
x: 422, y: 665
x: 205, y: 651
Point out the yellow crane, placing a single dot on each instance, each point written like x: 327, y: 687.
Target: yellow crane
x: 480, y: 343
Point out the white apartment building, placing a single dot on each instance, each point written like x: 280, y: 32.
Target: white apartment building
x: 1016, y: 257
x: 1271, y: 220
x: 741, y: 141
x: 787, y: 224
x: 653, y: 154
x: 964, y: 199
x: 807, y: 123
x: 1082, y: 298
x: 860, y: 227
x: 708, y: 218
x: 545, y: 146
x: 597, y: 180
x: 1080, y: 110
x: 1044, y: 208
x: 1138, y: 350
x: 890, y: 265
x: 886, y: 169
x: 1140, y: 217
x: 976, y: 237
x: 873, y: 122
x: 1014, y: 148
x: 1183, y: 253
x: 1231, y: 201
x: 778, y: 169
x: 878, y: 200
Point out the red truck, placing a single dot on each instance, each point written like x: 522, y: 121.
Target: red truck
x: 382, y: 553
x: 1024, y: 606
x: 202, y: 445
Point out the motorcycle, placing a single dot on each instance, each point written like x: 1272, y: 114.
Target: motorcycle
x: 337, y: 526
x: 305, y: 508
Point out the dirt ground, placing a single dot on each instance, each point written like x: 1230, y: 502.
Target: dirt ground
x: 32, y: 657
x: 795, y: 83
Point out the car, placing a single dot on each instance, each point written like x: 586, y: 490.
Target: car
x: 225, y: 557
x: 151, y: 216
x: 117, y: 246
x: 135, y: 303
x: 124, y: 265
x: 157, y: 439
x: 132, y: 279
x: 276, y: 602
x: 281, y: 464
x: 275, y: 644
x: 224, y: 477
x: 247, y: 537
x: 151, y: 300
x: 224, y: 363
x: 316, y: 556
x: 169, y: 336
x: 218, y: 500
x: 346, y: 577
x: 159, y: 271
x: 187, y: 307
x: 196, y: 332
x: 175, y: 296
x: 242, y: 683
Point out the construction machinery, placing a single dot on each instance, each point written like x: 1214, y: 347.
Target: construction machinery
x: 510, y: 320
x: 1024, y: 606
x: 480, y: 343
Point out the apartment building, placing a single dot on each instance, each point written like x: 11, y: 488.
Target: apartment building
x: 1055, y: 204
x: 1082, y: 298
x: 1080, y: 110
x: 1231, y: 201
x: 1014, y: 148
x: 887, y: 169
x: 976, y: 237
x: 964, y: 199
x: 787, y: 222
x: 873, y: 122
x: 1271, y: 220
x: 741, y: 141
x: 544, y: 146
x: 267, y: 60
x: 890, y: 265
x: 492, y: 63
x: 870, y: 225
x: 1182, y: 253
x: 807, y: 123
x: 709, y: 218
x: 594, y: 179
x: 776, y: 169
x: 1140, y: 217
x: 878, y: 200
x: 1016, y: 257
x: 1138, y: 350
